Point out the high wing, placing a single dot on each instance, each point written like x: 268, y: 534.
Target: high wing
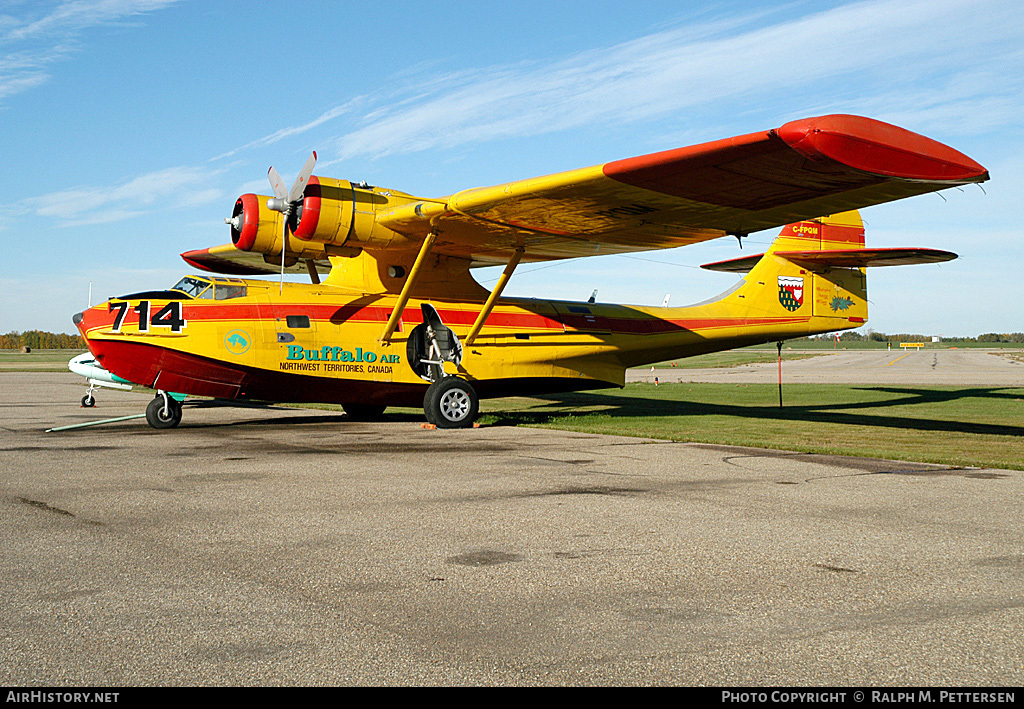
x: 232, y: 261
x: 806, y: 168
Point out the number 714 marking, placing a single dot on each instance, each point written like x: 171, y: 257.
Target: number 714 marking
x: 168, y: 316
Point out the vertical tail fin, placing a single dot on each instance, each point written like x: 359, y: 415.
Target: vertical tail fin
x: 832, y: 233
x: 798, y: 275
x: 815, y: 270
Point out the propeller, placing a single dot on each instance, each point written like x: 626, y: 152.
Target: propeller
x: 288, y: 202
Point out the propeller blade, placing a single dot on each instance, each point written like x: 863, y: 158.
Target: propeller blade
x: 285, y: 201
x: 300, y: 182
x: 277, y: 184
x: 284, y: 250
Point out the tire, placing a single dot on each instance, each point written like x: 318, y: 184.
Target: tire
x: 451, y: 403
x: 427, y: 399
x: 88, y: 401
x: 155, y: 413
x: 364, y: 412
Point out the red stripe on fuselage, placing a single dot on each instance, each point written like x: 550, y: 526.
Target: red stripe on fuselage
x: 522, y: 320
x: 514, y: 320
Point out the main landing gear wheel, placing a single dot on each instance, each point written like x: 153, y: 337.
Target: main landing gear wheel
x: 88, y: 401
x: 451, y: 403
x: 163, y: 413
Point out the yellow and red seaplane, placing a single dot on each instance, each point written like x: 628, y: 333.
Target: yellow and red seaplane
x: 398, y: 320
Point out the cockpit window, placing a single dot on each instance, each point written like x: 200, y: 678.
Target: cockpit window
x: 192, y: 287
x: 226, y: 292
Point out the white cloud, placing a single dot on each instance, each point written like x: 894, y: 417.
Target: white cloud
x: 47, y: 33
x: 898, y: 47
x: 175, y: 187
x: 297, y: 130
x: 70, y: 18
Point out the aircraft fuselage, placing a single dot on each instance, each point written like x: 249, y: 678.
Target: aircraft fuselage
x: 316, y: 343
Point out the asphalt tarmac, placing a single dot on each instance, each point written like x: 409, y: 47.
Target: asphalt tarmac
x: 294, y: 547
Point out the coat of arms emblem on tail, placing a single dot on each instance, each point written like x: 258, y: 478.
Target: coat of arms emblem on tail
x: 791, y: 292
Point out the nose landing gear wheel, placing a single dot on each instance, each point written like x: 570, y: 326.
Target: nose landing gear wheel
x: 159, y: 416
x: 451, y: 403
x: 88, y: 401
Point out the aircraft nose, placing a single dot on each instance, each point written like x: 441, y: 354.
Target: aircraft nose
x: 77, y: 318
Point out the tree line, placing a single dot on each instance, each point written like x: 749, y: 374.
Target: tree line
x: 871, y: 335
x: 39, y: 340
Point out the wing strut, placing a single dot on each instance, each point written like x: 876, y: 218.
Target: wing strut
x: 493, y: 297
x: 403, y: 298
x: 314, y: 275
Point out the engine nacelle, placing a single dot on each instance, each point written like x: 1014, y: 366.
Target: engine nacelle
x: 326, y: 212
x: 255, y: 227
x: 332, y: 214
x: 324, y: 216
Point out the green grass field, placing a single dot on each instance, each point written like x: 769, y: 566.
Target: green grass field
x: 36, y: 361
x: 733, y: 358
x: 970, y: 426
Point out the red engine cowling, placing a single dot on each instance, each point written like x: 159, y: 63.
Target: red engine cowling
x: 254, y: 228
x: 327, y: 211
x: 325, y: 217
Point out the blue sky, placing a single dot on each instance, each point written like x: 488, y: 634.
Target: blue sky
x: 130, y: 127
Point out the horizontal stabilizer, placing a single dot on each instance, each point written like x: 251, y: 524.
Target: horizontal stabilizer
x: 845, y: 258
x: 742, y: 264
x: 855, y: 258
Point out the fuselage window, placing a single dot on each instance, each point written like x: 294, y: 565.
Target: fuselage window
x: 298, y: 320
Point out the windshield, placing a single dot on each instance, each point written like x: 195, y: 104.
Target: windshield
x: 191, y: 287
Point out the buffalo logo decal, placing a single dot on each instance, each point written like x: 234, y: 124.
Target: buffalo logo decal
x: 791, y: 292
x: 237, y: 341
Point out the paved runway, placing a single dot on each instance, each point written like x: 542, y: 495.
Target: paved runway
x: 293, y: 547
x: 966, y: 367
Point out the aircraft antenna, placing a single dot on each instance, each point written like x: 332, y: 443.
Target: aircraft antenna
x: 288, y: 202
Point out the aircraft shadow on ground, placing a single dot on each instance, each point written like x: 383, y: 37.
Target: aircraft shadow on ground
x: 836, y: 413
x: 326, y: 418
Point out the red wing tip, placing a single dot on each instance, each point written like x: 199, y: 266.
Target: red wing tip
x: 880, y: 148
x: 195, y: 258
